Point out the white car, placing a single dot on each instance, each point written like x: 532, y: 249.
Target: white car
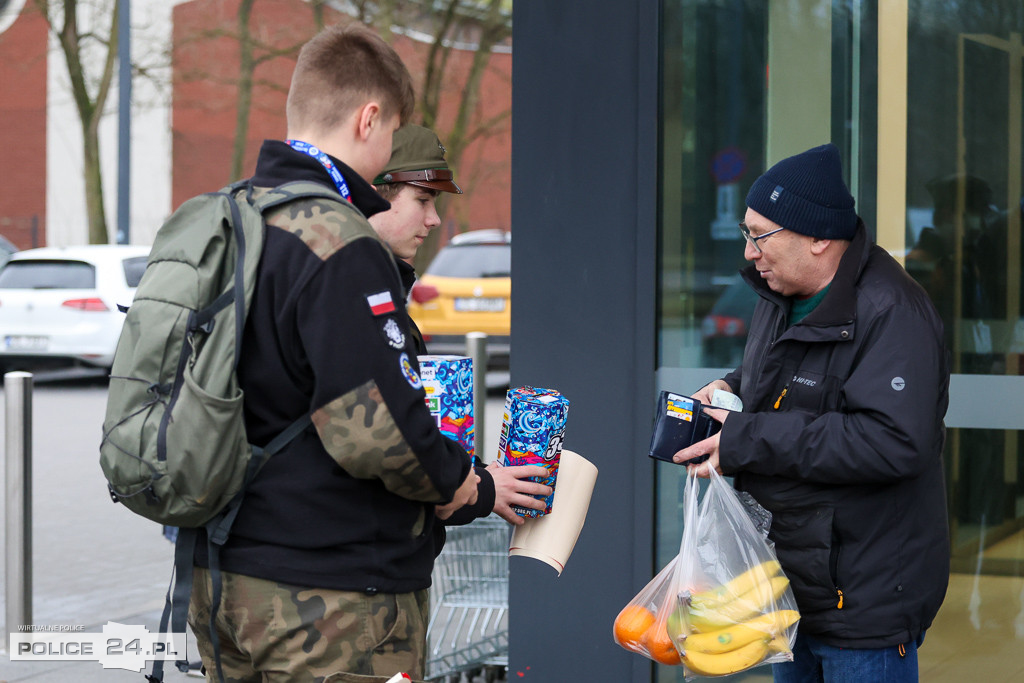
x: 59, y: 305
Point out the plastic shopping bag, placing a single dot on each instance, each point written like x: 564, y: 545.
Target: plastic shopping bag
x: 641, y: 626
x: 723, y: 605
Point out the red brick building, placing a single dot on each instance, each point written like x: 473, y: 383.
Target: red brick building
x: 205, y: 76
x: 206, y: 58
x: 23, y: 134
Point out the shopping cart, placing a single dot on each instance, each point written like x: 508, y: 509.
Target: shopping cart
x: 468, y: 626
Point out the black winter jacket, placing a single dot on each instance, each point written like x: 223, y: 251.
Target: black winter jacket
x: 850, y: 462
x: 349, y: 504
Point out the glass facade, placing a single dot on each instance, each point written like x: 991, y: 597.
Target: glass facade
x: 924, y: 99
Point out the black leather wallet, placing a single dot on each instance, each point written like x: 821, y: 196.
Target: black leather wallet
x: 680, y: 422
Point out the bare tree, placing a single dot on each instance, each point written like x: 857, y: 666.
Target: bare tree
x: 468, y: 25
x: 246, y: 71
x: 474, y: 25
x: 91, y: 56
x: 491, y: 27
x: 453, y: 30
x: 248, y: 61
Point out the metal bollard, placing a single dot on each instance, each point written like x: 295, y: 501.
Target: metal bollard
x: 18, y: 438
x: 476, y: 349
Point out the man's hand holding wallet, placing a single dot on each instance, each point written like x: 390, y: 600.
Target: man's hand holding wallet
x: 682, y: 423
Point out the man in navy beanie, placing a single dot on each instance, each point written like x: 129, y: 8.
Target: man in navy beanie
x: 844, y: 384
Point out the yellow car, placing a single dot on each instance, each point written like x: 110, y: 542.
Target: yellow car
x: 467, y: 288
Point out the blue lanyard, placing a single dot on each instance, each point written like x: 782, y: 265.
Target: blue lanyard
x: 325, y: 161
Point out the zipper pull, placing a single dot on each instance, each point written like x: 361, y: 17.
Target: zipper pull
x: 840, y: 605
x: 778, y: 401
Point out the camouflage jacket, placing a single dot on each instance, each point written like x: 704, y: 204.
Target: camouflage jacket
x: 349, y: 503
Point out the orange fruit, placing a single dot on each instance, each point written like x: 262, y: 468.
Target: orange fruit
x: 631, y: 624
x: 659, y: 644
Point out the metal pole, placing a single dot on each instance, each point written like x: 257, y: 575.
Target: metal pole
x: 124, y: 117
x: 18, y: 438
x: 476, y: 349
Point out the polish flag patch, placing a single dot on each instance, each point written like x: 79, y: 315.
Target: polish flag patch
x: 381, y: 303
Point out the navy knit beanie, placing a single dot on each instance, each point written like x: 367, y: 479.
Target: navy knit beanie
x: 806, y: 194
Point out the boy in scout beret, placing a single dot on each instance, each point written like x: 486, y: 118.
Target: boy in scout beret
x: 412, y: 180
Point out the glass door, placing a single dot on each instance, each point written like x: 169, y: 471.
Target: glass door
x: 963, y: 236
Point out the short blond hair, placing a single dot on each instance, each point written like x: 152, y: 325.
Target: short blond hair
x: 339, y: 70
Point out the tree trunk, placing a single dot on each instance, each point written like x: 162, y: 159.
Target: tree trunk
x: 437, y: 60
x: 492, y: 30
x: 246, y: 69
x: 459, y: 138
x: 93, y: 176
x: 90, y: 107
x: 318, y: 14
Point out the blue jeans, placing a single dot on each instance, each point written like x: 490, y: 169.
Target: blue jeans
x: 816, y: 662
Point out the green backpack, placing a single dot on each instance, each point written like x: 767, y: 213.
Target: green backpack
x: 174, y: 446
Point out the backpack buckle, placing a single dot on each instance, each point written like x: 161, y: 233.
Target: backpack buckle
x: 151, y: 497
x: 113, y: 494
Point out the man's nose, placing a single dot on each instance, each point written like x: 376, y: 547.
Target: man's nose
x: 750, y: 252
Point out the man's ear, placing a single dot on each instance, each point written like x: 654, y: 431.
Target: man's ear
x: 818, y: 246
x: 368, y: 116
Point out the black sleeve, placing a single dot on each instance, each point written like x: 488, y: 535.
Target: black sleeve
x: 368, y: 400
x: 484, y: 501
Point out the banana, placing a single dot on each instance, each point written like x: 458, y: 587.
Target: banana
x: 727, y: 663
x: 780, y: 643
x: 764, y: 627
x: 727, y: 592
x: 764, y: 594
x: 743, y: 608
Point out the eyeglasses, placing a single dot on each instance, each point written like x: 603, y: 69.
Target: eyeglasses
x: 745, y: 231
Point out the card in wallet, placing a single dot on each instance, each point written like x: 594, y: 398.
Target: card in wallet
x: 680, y: 422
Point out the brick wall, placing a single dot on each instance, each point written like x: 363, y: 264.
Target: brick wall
x: 23, y: 133
x: 205, y: 95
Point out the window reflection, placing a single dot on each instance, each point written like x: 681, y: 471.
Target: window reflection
x: 962, y: 243
x: 713, y: 128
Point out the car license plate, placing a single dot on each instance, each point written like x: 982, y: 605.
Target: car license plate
x: 485, y: 304
x: 25, y: 342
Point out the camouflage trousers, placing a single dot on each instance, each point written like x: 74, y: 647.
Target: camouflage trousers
x: 272, y: 632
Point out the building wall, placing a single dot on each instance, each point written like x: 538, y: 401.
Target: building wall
x: 150, y: 136
x: 41, y: 133
x: 584, y: 163
x: 205, y: 96
x: 22, y: 138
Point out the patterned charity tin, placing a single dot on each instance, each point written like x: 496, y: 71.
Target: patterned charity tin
x: 448, y: 381
x: 532, y: 433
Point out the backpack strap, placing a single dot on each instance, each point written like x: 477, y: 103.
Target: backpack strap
x: 203, y: 319
x: 179, y: 593
x: 306, y: 189
x: 299, y: 189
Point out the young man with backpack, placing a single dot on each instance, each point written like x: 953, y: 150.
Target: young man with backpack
x: 411, y: 181
x: 328, y: 562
